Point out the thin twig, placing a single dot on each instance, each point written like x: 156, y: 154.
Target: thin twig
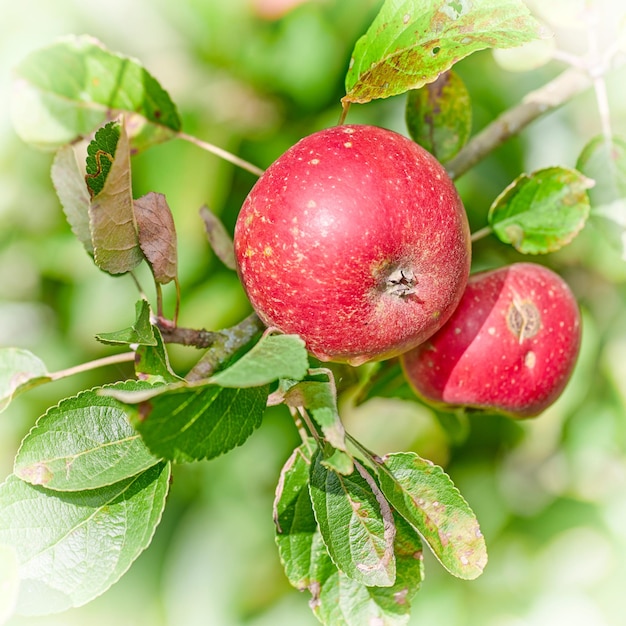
x: 114, y: 359
x: 547, y: 98
x: 223, y: 154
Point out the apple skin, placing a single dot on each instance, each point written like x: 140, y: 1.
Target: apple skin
x: 510, y: 346
x: 356, y: 240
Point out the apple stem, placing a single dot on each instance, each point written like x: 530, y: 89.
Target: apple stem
x: 481, y: 233
x: 223, y: 154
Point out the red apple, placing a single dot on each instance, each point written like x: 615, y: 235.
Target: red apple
x: 356, y: 240
x: 510, y: 346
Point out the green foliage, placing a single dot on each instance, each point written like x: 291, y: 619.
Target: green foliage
x: 69, y: 89
x: 410, y: 43
x: 85, y: 442
x: 355, y: 522
x: 543, y: 211
x: 88, y: 539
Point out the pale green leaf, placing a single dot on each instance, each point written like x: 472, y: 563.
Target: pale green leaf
x: 65, y: 91
x: 426, y: 497
x: 543, y: 211
x: 273, y: 357
x: 72, y: 547
x: 605, y: 162
x: 20, y: 370
x: 356, y: 523
x: 411, y: 42
x: 84, y: 442
x: 69, y: 182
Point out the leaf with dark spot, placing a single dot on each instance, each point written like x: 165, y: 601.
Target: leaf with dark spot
x: 409, y: 44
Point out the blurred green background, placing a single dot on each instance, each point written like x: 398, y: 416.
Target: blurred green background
x: 550, y: 494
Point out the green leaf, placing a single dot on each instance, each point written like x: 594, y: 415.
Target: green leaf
x: 356, y: 523
x: 426, y: 497
x: 294, y: 519
x: 411, y: 42
x: 72, y: 547
x: 439, y: 115
x: 9, y: 582
x: 69, y: 182
x: 337, y: 599
x: 141, y: 332
x: 273, y: 357
x: 543, y: 211
x: 157, y: 236
x: 195, y: 423
x: 111, y: 213
x: 63, y: 92
x: 152, y: 362
x: 338, y: 460
x: 219, y: 239
x: 84, y: 442
x: 20, y: 370
x: 605, y: 162
x: 319, y: 399
x: 345, y: 602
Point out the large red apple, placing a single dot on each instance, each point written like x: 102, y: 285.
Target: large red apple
x: 356, y: 240
x: 510, y: 345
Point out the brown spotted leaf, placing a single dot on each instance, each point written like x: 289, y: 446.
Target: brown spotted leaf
x: 426, y: 497
x: 411, y: 42
x: 157, y: 235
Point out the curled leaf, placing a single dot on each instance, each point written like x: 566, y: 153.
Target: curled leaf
x: 157, y: 235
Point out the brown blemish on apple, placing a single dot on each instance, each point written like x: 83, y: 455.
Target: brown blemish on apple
x: 523, y: 319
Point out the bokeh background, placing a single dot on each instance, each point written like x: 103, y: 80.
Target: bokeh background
x: 253, y: 76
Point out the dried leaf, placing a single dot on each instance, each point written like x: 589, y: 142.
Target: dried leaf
x: 157, y: 235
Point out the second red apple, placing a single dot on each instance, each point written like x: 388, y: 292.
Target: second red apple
x: 510, y: 345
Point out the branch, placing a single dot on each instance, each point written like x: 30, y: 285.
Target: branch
x: 547, y: 98
x: 223, y: 345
